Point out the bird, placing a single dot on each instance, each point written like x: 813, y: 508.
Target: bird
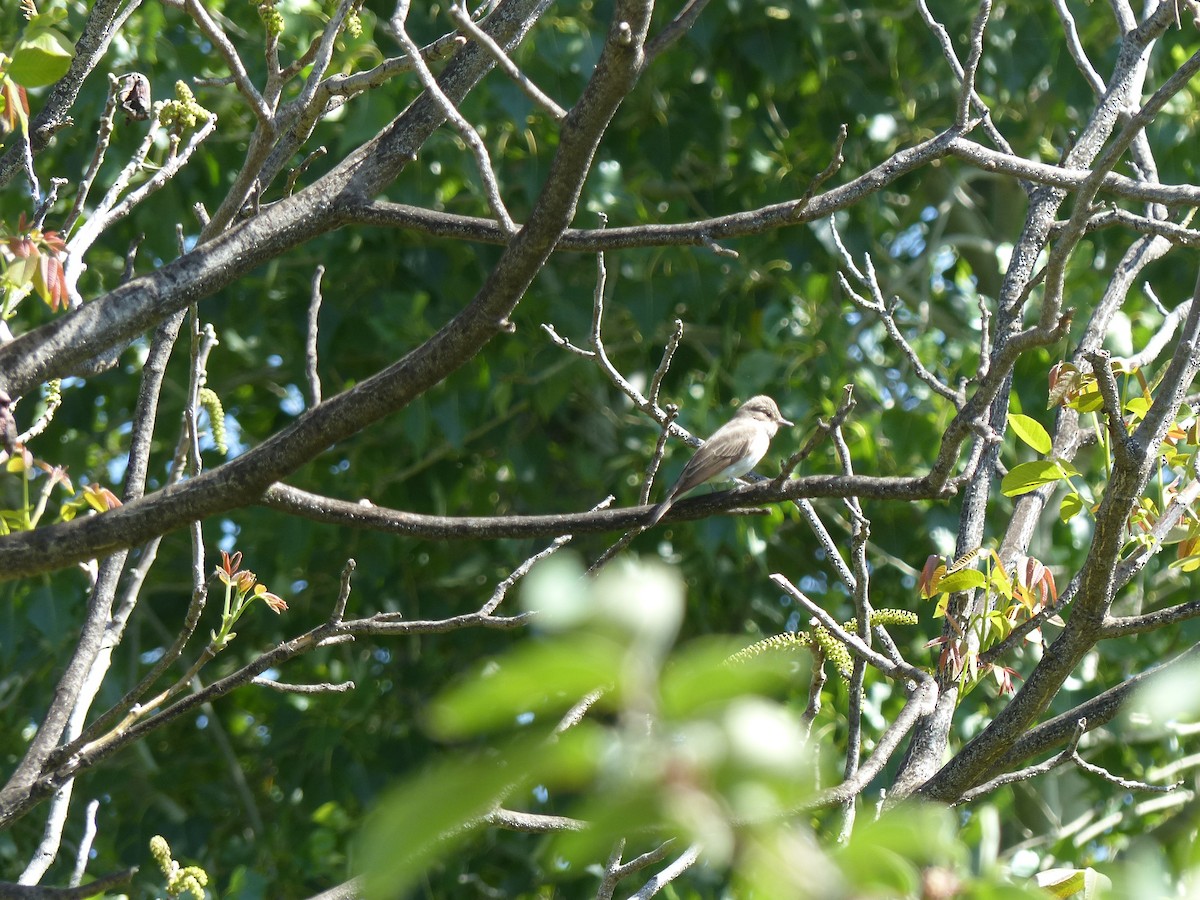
x: 733, y: 450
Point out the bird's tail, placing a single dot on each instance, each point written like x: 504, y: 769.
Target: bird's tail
x: 658, y: 512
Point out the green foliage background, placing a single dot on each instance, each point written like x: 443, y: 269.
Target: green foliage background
x: 742, y: 113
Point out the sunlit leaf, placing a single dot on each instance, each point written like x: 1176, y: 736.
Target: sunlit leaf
x: 1139, y: 406
x: 41, y: 59
x: 965, y: 580
x: 1030, y: 476
x: 1030, y: 430
x: 1083, y: 883
x: 1071, y: 506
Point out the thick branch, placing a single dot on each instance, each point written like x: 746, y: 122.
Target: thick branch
x: 55, y: 546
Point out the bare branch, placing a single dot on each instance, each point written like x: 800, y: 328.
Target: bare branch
x: 685, y: 861
x: 341, y: 687
x: 660, y: 371
x: 676, y: 28
x: 103, y: 136
x: 845, y: 407
x: 920, y: 703
x: 310, y: 346
x: 1107, y: 384
x: 1065, y: 756
x: 83, y: 892
x: 522, y: 570
x: 615, y: 870
x: 104, y: 19
x: 112, y: 209
x: 947, y: 45
x: 854, y: 643
x: 968, y: 94
x: 531, y: 823
x: 656, y: 458
x: 1128, y: 784
x: 1075, y: 47
x: 85, y: 843
x: 463, y: 20
x: 237, y: 68
x: 467, y: 131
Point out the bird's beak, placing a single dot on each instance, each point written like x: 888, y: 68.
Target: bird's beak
x: 783, y: 421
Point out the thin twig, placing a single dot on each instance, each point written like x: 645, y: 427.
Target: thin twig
x: 664, y: 365
x: 214, y: 32
x: 85, y: 843
x: 341, y: 687
x: 1118, y: 439
x: 947, y: 45
x: 1075, y: 48
x: 520, y: 571
x: 463, y: 20
x: 853, y: 642
x: 299, y: 170
x: 836, y: 161
x: 343, y: 597
x: 967, y: 94
x: 816, y: 684
x: 868, y: 279
x: 465, y: 129
x: 1128, y: 784
x: 685, y: 861
x: 111, y: 211
x: 310, y: 344
x: 531, y: 823
x: 844, y: 409
x: 615, y: 870
x: 1031, y: 771
x: 575, y: 714
x: 656, y: 458
x: 53, y: 402
x: 39, y: 214
x: 93, y: 888
x: 103, y: 136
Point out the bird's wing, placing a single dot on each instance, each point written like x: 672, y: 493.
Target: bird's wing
x: 717, y: 455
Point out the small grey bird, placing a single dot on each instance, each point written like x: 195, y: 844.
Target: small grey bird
x: 734, y: 449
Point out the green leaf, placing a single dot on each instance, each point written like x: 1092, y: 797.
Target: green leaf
x: 1088, y: 401
x: 966, y: 580
x: 1030, y: 430
x: 1030, y: 476
x: 433, y: 813
x: 1071, y: 506
x: 540, y: 678
x: 1187, y: 564
x: 701, y: 674
x: 884, y: 857
x: 41, y: 59
x: 1066, y: 469
x: 427, y: 817
x: 1139, y: 406
x: 1073, y: 882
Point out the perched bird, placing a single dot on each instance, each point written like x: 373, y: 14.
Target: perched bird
x: 734, y: 449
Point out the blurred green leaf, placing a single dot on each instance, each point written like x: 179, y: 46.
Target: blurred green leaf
x: 41, y: 59
x: 702, y: 674
x: 542, y: 678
